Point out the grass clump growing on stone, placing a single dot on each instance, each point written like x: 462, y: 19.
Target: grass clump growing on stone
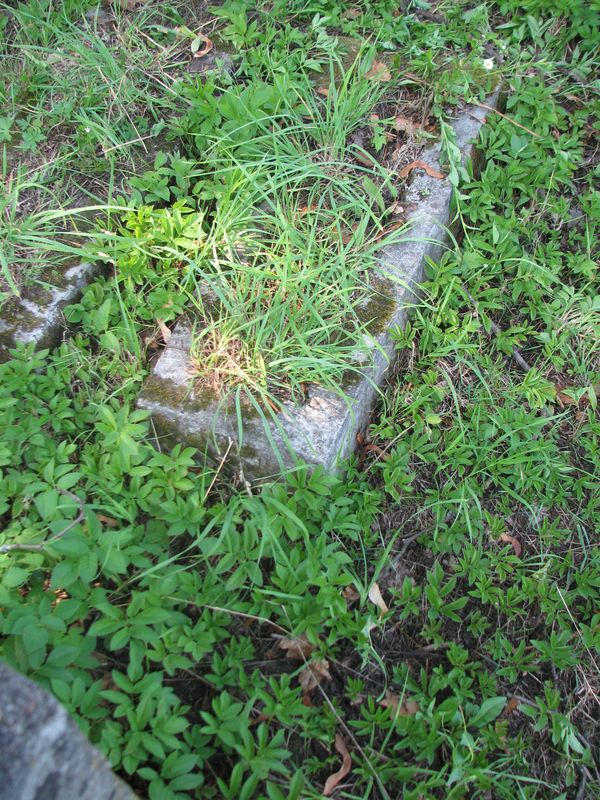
x: 284, y: 241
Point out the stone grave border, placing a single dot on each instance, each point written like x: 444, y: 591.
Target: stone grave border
x: 323, y: 430
x: 37, y: 314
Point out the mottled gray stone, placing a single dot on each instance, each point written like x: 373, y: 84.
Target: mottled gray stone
x: 323, y: 430
x: 43, y: 754
x: 37, y: 315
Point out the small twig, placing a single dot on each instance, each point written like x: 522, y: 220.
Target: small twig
x: 254, y: 617
x: 137, y: 140
x: 36, y: 548
x: 406, y: 543
x: 497, y: 330
x: 509, y: 119
x: 216, y: 475
x: 582, y: 784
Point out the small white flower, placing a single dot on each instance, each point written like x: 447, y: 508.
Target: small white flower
x: 87, y: 130
x: 488, y: 63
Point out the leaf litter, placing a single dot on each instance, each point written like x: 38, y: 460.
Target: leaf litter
x: 335, y: 778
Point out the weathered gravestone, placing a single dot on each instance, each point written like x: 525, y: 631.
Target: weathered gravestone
x: 43, y: 754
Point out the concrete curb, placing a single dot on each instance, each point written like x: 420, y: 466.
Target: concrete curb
x: 37, y: 315
x: 323, y: 430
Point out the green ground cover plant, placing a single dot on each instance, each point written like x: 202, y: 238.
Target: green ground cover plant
x: 427, y: 621
x: 84, y: 96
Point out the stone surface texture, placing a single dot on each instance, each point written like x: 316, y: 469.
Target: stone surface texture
x: 323, y: 430
x: 36, y: 316
x: 43, y: 754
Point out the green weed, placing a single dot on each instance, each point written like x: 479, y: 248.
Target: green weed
x: 435, y: 608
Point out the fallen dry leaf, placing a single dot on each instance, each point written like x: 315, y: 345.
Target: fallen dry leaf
x: 358, y: 700
x: 410, y: 76
x: 298, y: 648
x: 353, y: 13
x: 312, y: 675
x: 433, y: 173
x: 397, y: 208
x: 406, y: 125
x: 260, y: 718
x: 565, y: 399
x: 511, y: 706
x: 350, y: 594
x: 323, y: 90
x: 108, y: 521
x: 404, y: 707
x: 506, y: 537
x: 363, y: 158
x: 374, y: 448
x: 206, y: 43
x: 165, y: 332
x: 375, y: 597
x: 333, y: 780
x: 379, y: 72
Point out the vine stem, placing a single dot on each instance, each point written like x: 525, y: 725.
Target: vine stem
x: 39, y: 547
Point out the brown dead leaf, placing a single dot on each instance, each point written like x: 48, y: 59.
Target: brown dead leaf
x: 565, y: 399
x: 433, y: 173
x: 312, y: 675
x: 108, y: 521
x: 347, y: 233
x: 379, y: 72
x: 404, y: 707
x: 506, y: 537
x: 201, y: 45
x: 353, y: 13
x: 333, y: 780
x: 298, y: 648
x: 323, y: 90
x: 375, y: 597
x: 306, y: 209
x: 350, y: 594
x: 363, y: 158
x: 562, y: 397
x: 260, y: 718
x: 396, y: 209
x: 406, y: 125
x: 511, y: 706
x: 374, y: 448
x: 165, y: 332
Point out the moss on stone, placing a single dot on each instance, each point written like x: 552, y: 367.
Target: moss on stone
x: 377, y: 310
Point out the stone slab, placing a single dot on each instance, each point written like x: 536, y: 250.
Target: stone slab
x: 43, y: 754
x: 37, y: 314
x: 323, y: 430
